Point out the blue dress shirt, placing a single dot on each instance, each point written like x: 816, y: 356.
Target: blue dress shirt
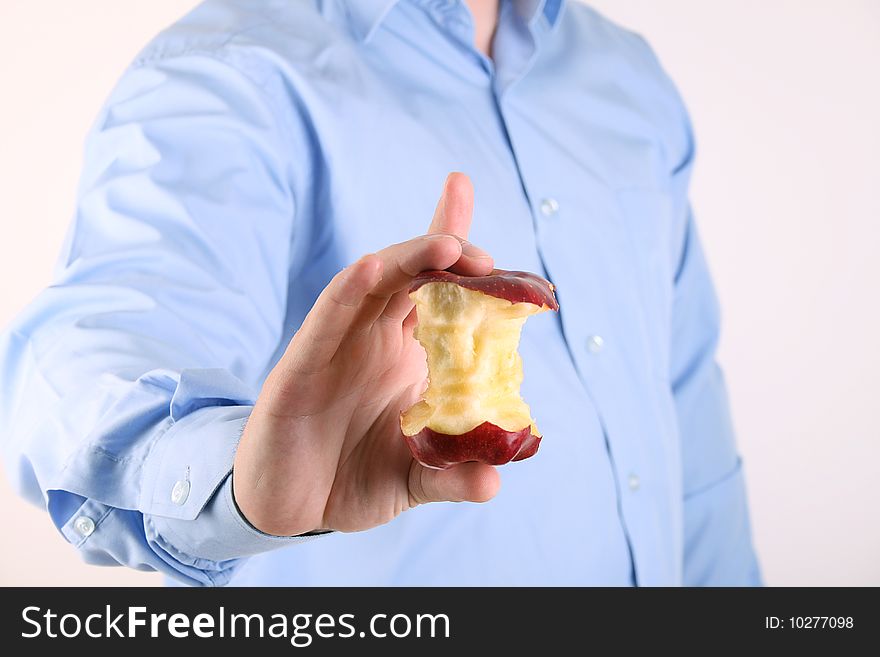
x: 254, y: 149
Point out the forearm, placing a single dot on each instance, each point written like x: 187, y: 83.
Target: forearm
x: 133, y: 473
x: 130, y: 378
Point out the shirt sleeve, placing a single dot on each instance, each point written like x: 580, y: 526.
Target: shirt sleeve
x: 717, y: 538
x: 127, y: 383
x: 718, y: 547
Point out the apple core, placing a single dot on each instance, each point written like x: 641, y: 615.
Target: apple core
x: 470, y: 329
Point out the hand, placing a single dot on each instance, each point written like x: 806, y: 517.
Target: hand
x: 322, y: 448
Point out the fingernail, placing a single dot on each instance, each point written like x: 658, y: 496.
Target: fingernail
x: 472, y: 250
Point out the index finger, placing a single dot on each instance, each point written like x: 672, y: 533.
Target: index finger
x: 403, y: 262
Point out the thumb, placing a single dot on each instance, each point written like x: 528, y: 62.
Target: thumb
x: 466, y: 482
x: 455, y: 208
x: 453, y: 216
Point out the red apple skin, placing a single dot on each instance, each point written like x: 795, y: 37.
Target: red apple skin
x: 486, y: 443
x: 513, y: 286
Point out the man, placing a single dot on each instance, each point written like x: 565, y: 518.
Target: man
x: 209, y: 391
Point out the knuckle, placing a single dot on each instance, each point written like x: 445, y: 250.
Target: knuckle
x: 337, y: 299
x: 416, y: 486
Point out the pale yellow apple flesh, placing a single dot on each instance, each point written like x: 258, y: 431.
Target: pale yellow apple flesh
x: 474, y: 370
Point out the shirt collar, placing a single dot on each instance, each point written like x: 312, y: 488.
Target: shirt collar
x: 365, y: 16
x: 530, y: 10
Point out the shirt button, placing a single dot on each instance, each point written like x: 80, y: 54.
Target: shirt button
x: 549, y: 207
x: 84, y: 526
x: 595, y: 343
x: 634, y: 482
x: 180, y: 492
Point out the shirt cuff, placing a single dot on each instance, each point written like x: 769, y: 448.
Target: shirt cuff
x: 221, y: 532
x: 190, y: 506
x: 190, y: 461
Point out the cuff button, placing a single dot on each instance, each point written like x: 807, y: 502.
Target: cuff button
x: 180, y: 492
x: 84, y: 526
